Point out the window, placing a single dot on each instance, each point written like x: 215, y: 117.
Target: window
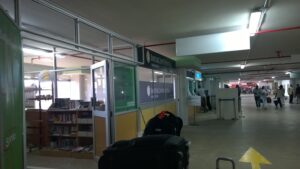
x: 145, y: 85
x: 158, y: 86
x: 155, y: 85
x: 122, y: 48
x: 170, y: 86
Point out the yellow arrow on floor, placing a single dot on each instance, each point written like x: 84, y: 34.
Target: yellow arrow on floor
x: 255, y: 158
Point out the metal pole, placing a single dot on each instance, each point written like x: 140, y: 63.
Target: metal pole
x: 110, y: 44
x: 93, y: 59
x: 77, y: 31
x: 110, y: 75
x: 55, y: 75
x: 17, y: 12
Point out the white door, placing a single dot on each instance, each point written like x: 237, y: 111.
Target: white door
x: 100, y: 105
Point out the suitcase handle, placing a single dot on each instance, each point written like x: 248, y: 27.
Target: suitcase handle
x: 224, y: 159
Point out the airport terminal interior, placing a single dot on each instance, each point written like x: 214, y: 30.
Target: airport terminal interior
x: 78, y: 76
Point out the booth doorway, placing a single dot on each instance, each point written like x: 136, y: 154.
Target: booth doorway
x: 100, y: 106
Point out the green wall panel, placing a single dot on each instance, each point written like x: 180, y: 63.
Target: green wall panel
x: 11, y: 95
x: 125, y: 87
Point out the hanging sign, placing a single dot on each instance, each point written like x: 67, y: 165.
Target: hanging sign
x: 153, y: 60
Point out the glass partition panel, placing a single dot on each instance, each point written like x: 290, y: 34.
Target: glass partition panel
x: 125, y: 87
x: 145, y: 85
x: 169, y: 86
x: 159, y: 86
x: 122, y: 48
x: 75, y: 84
x: 93, y: 38
x: 72, y: 59
x: 39, y: 18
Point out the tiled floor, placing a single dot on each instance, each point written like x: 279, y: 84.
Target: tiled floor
x: 275, y: 133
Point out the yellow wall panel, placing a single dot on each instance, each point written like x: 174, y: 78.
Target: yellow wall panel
x: 126, y: 126
x: 191, y: 113
x: 100, y: 135
x: 159, y: 109
x: 147, y: 114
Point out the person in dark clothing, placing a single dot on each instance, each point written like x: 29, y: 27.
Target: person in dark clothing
x: 239, y: 90
x: 239, y: 97
x: 291, y: 93
x: 279, y: 96
x: 256, y: 93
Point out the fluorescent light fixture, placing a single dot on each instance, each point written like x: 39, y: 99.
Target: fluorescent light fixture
x: 254, y: 22
x: 243, y: 66
x: 287, y: 73
x: 214, y: 43
x: 60, y: 56
x: 159, y: 73
x: 37, y: 52
x: 273, y: 77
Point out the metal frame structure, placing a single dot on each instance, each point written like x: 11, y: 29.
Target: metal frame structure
x: 77, y: 46
x: 58, y: 42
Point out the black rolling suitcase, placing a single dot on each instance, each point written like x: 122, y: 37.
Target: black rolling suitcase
x: 164, y: 123
x: 149, y: 152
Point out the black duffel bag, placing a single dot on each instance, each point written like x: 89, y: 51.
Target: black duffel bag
x: 164, y: 123
x: 149, y: 152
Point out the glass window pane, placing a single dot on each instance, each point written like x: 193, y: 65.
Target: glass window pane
x: 39, y: 18
x: 75, y: 84
x: 125, y: 87
x: 159, y: 86
x: 122, y: 48
x: 145, y: 85
x: 169, y: 86
x: 93, y: 38
x: 37, y: 56
x: 72, y: 59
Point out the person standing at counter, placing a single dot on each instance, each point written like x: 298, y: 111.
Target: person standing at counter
x: 256, y: 93
x: 291, y: 94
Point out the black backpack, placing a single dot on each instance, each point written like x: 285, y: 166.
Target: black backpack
x: 164, y: 123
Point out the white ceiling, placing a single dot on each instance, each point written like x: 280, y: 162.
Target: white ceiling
x: 156, y: 21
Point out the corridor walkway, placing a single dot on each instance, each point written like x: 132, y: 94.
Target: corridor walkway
x: 275, y: 133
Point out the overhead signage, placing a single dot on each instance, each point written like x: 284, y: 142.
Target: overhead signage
x: 153, y: 60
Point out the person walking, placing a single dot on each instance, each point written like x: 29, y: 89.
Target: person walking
x: 256, y: 93
x: 279, y: 96
x: 263, y: 97
x: 239, y: 98
x: 291, y: 93
x: 297, y: 93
